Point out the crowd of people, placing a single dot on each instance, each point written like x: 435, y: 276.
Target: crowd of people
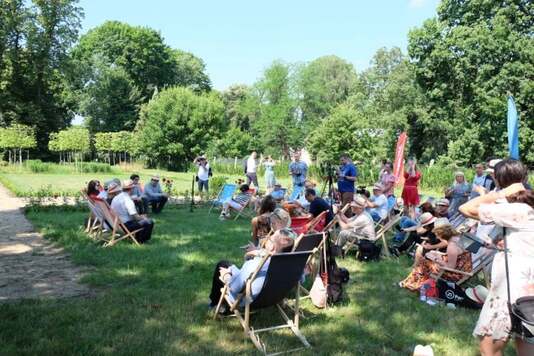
x: 498, y: 202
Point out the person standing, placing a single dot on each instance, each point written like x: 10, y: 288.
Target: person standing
x: 154, y: 195
x: 410, y: 192
x: 203, y: 174
x: 251, y: 167
x: 270, y: 179
x: 298, y: 170
x: 347, y: 174
x: 387, y: 179
x: 478, y: 180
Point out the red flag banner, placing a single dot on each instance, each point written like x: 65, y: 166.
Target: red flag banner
x: 398, y: 165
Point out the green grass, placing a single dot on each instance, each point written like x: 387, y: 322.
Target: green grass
x: 152, y: 300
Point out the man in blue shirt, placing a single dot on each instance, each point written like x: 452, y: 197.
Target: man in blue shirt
x: 236, y: 278
x: 298, y: 171
x: 478, y: 180
x: 154, y: 195
x: 346, y: 174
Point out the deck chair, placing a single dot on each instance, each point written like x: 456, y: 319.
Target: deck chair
x: 311, y: 242
x: 380, y: 235
x: 226, y: 192
x: 298, y: 224
x: 118, y: 230
x: 318, y: 223
x: 283, y: 274
x: 247, y: 209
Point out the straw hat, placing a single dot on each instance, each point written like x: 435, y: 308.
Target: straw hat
x: 114, y: 187
x: 477, y: 294
x: 155, y: 177
x: 421, y: 350
x: 378, y: 186
x: 443, y: 202
x: 491, y: 165
x: 358, y: 202
x: 424, y: 220
x: 127, y: 184
x: 459, y: 174
x: 439, y: 222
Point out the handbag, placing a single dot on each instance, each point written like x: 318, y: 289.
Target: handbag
x: 319, y: 291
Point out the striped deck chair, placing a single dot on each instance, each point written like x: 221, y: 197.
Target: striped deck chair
x: 283, y: 275
x: 226, y: 192
x: 247, y: 209
x: 118, y: 230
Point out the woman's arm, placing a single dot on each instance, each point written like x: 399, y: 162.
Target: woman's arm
x: 470, y: 209
x: 453, y: 251
x: 439, y: 245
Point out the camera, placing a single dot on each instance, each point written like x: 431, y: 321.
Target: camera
x: 362, y: 191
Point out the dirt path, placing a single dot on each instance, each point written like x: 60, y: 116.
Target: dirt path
x: 30, y: 266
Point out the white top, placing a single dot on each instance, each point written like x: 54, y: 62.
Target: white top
x: 382, y: 202
x: 203, y: 172
x: 363, y: 225
x: 251, y: 165
x: 124, y: 207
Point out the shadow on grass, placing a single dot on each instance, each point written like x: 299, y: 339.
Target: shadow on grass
x: 153, y: 300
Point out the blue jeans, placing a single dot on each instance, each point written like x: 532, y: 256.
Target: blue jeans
x: 391, y: 202
x: 375, y: 216
x: 405, y: 222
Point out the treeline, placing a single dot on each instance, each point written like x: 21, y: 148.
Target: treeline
x: 448, y: 92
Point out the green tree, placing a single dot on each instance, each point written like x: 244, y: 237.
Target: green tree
x: 16, y: 138
x: 71, y: 143
x: 323, y: 84
x: 190, y: 71
x: 467, y: 59
x: 346, y: 129
x: 177, y: 124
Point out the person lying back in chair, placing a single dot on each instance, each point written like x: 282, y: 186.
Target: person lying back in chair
x: 227, y: 273
x: 359, y: 226
x: 238, y: 202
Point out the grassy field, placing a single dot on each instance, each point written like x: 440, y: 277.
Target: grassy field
x: 152, y: 300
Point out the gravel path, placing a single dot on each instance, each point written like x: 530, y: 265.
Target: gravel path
x: 30, y: 266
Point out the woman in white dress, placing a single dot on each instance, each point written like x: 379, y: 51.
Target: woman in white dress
x: 512, y: 211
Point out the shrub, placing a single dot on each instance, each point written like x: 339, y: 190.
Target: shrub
x: 95, y: 167
x: 37, y: 166
x: 216, y: 183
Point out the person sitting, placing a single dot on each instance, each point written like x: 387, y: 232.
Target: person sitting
x: 93, y: 189
x: 431, y: 245
x: 137, y: 195
x: 123, y: 205
x: 279, y: 220
x: 318, y: 205
x: 104, y: 193
x: 442, y: 208
x: 154, y: 195
x: 237, y: 203
x: 407, y: 222
x: 378, y: 204
x: 359, y: 226
x: 235, y: 278
x: 423, y: 230
x: 277, y: 193
x: 261, y: 224
x: 299, y: 206
x: 455, y: 257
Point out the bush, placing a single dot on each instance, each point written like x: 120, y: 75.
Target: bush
x: 95, y: 167
x: 37, y: 166
x: 216, y: 183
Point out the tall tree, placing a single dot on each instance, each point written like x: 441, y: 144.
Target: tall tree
x: 467, y: 59
x: 323, y: 84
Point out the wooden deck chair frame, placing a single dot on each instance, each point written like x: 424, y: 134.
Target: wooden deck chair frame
x: 246, y: 296
x: 95, y: 221
x: 315, y: 243
x: 217, y: 200
x: 481, y: 263
x: 333, y: 222
x: 119, y: 231
x: 243, y: 210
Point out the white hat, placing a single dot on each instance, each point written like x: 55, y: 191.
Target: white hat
x: 491, y: 165
x: 358, y: 202
x: 127, y: 184
x: 421, y: 350
x: 114, y: 187
x: 477, y: 294
x: 424, y: 220
x: 443, y: 202
x: 155, y: 177
x: 439, y: 222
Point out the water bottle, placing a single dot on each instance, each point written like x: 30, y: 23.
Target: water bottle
x: 422, y: 292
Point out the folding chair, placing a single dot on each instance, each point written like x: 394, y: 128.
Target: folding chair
x: 118, y: 230
x: 283, y: 274
x: 226, y: 192
x: 248, y: 205
x: 311, y: 242
x: 298, y: 224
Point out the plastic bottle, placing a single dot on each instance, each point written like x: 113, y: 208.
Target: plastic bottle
x: 422, y: 293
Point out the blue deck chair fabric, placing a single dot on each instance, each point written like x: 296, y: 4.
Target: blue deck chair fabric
x: 226, y: 193
x: 295, y: 193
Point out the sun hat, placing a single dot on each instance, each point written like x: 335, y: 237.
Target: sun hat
x: 491, y: 165
x: 459, y: 173
x: 443, y: 202
x: 127, y: 184
x: 155, y: 177
x: 114, y: 187
x: 424, y: 220
x: 358, y: 202
x: 477, y: 294
x: 440, y: 222
x: 421, y: 350
x: 378, y: 186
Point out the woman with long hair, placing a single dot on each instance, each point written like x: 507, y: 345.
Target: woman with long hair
x: 511, y: 209
x: 261, y: 224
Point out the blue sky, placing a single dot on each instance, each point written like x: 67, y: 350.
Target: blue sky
x: 238, y: 39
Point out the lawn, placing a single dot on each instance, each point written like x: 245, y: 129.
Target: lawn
x: 152, y: 300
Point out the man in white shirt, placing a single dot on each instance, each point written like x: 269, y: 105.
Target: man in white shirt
x: 378, y: 203
x: 251, y: 168
x: 359, y: 226
x: 123, y: 205
x: 203, y: 174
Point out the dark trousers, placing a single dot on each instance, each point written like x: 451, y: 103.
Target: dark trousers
x: 346, y: 198
x: 216, y: 283
x: 252, y: 178
x: 146, y: 225
x: 157, y: 204
x: 141, y: 205
x: 412, y: 238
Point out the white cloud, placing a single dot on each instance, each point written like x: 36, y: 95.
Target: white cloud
x: 414, y: 4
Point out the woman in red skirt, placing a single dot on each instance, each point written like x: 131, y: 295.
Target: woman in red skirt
x: 410, y: 193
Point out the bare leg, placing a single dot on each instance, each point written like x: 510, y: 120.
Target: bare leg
x: 490, y: 347
x: 524, y: 348
x: 418, y: 255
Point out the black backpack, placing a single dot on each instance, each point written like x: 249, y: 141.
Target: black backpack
x: 368, y: 251
x: 450, y: 292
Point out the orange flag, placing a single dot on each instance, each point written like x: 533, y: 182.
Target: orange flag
x: 398, y: 165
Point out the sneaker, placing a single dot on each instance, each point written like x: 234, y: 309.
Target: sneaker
x: 431, y: 302
x: 222, y: 217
